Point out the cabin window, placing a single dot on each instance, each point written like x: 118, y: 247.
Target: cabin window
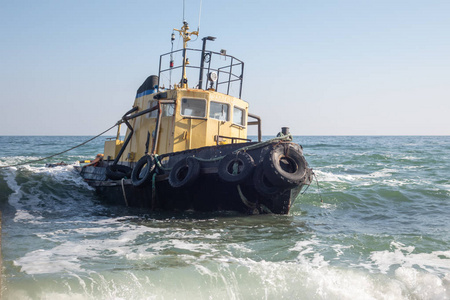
x: 167, y: 109
x: 152, y: 114
x: 193, y: 108
x: 218, y: 111
x: 238, y: 116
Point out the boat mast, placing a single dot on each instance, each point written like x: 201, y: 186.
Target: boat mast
x: 186, y: 38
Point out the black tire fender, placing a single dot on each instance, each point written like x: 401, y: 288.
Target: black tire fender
x: 262, y: 185
x: 143, y: 171
x: 285, y: 165
x: 117, y: 172
x: 184, y: 173
x: 236, y: 168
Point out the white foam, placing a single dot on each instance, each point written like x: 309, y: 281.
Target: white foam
x: 351, y: 178
x: 90, y: 243
x: 62, y: 174
x: 33, y: 195
x: 436, y: 262
x: 13, y: 160
x: 22, y: 215
x: 409, y: 157
x: 424, y: 285
x: 338, y: 181
x: 329, y: 206
x: 338, y: 249
x: 56, y: 260
x: 421, y: 275
x: 219, y: 274
x: 305, y: 249
x: 239, y: 247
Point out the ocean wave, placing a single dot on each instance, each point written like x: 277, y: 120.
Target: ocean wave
x: 10, y: 161
x: 380, y: 234
x: 325, y: 176
x: 244, y: 278
x: 165, y: 267
x: 38, y: 192
x: 436, y: 262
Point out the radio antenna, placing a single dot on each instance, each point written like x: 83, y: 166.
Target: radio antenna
x: 199, y: 16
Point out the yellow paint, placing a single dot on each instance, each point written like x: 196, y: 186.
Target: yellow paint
x: 178, y: 132
x: 112, y: 148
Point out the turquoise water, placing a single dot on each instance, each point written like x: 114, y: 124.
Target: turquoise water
x: 382, y: 231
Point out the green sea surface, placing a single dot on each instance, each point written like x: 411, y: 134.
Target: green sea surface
x: 381, y: 232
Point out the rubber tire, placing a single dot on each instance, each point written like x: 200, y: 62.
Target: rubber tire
x: 277, y: 165
x: 184, y: 173
x: 117, y: 172
x: 262, y: 185
x: 245, y: 163
x: 143, y: 171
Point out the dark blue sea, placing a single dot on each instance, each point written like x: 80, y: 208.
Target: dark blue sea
x: 381, y: 232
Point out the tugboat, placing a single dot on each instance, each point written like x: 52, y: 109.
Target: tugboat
x: 187, y: 148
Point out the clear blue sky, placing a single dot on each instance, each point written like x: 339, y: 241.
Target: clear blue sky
x: 320, y: 67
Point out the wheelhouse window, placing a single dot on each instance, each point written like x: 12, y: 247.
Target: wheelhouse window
x: 152, y: 114
x: 238, y: 116
x: 168, y: 110
x: 193, y: 107
x: 218, y: 111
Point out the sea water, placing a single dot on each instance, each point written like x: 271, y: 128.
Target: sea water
x: 381, y: 232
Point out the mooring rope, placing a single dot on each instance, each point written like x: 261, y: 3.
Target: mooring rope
x: 318, y: 187
x: 244, y: 199
x: 123, y: 192
x: 153, y: 190
x: 246, y: 148
x: 53, y: 155
x: 280, y: 138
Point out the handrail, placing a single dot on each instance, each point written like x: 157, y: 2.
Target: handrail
x: 229, y: 65
x: 257, y: 122
x: 233, y: 139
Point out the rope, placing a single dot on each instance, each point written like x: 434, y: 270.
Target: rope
x: 244, y: 199
x: 280, y: 138
x: 153, y: 190
x: 53, y: 155
x: 265, y: 209
x: 209, y: 159
x: 318, y: 187
x: 123, y: 192
x: 158, y: 163
x: 252, y: 205
x: 307, y: 187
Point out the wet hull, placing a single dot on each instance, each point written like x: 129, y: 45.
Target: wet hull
x: 209, y: 192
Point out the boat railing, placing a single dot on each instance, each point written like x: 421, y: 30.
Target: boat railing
x: 222, y: 138
x: 200, y: 66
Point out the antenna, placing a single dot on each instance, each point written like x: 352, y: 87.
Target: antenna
x: 199, y: 15
x: 184, y: 19
x: 186, y: 35
x: 172, y: 38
